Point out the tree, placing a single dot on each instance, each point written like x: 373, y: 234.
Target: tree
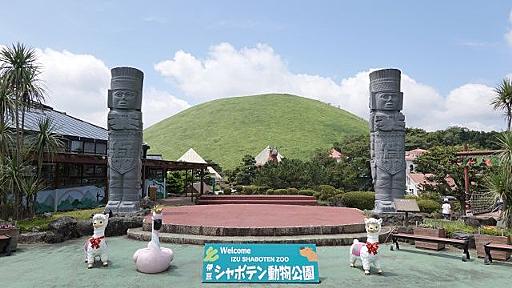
x: 503, y: 99
x: 45, y: 141
x: 244, y: 174
x: 20, y: 71
x: 499, y: 181
x: 442, y: 162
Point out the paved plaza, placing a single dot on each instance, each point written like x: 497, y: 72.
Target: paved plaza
x: 61, y: 265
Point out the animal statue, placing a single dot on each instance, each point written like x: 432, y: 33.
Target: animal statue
x: 96, y: 246
x: 154, y: 259
x: 367, y: 252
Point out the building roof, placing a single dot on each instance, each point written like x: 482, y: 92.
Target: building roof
x: 192, y: 156
x: 64, y: 124
x: 335, y: 154
x: 422, y: 179
x: 413, y: 154
x: 266, y: 154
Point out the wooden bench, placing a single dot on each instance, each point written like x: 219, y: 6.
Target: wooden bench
x: 464, y: 243
x: 490, y: 246
x: 5, y: 242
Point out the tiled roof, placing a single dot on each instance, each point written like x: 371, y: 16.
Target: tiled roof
x: 64, y: 124
x: 413, y: 154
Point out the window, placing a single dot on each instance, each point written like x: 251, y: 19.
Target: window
x: 77, y: 146
x: 89, y: 147
x: 101, y: 148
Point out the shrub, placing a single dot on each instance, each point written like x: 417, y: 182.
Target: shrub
x: 270, y: 192
x: 292, y: 191
x: 363, y: 200
x: 326, y: 188
x: 317, y: 195
x: 325, y: 192
x: 428, y: 205
x: 227, y: 191
x: 307, y: 192
x: 336, y: 200
x: 280, y: 192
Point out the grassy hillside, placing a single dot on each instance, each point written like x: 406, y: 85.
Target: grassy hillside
x: 225, y: 130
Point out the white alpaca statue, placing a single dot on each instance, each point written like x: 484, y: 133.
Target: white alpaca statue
x: 154, y: 259
x: 96, y: 245
x: 367, y: 252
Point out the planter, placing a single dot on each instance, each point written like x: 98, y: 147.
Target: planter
x: 13, y: 233
x: 429, y: 232
x: 482, y: 239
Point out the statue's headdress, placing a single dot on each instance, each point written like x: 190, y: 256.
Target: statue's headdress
x: 385, y: 80
x: 126, y: 78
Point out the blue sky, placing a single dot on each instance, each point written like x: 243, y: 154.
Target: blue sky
x: 451, y: 52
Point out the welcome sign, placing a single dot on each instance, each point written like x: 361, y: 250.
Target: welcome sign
x: 260, y: 263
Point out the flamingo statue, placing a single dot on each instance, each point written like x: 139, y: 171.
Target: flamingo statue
x: 154, y: 259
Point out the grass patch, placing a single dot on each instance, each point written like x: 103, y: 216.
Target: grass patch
x: 458, y: 226
x: 41, y: 223
x: 225, y: 130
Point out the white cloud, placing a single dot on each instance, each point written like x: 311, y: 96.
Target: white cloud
x: 230, y: 72
x: 77, y: 84
x: 508, y: 35
x: 157, y: 105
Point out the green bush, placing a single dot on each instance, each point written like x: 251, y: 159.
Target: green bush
x: 238, y: 189
x: 280, y: 192
x: 336, y: 200
x: 307, y: 192
x: 227, y: 191
x: 326, y: 189
x: 292, y: 191
x: 428, y: 205
x: 325, y: 192
x: 363, y: 200
x: 270, y: 192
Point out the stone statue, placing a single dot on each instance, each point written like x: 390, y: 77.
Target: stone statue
x: 387, y: 138
x: 124, y: 140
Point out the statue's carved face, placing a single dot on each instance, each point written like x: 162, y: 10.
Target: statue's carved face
x: 124, y: 99
x: 387, y: 101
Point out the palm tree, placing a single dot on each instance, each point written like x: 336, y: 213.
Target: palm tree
x: 45, y: 141
x: 20, y: 71
x: 499, y: 181
x: 6, y: 103
x: 503, y: 100
x: 30, y: 185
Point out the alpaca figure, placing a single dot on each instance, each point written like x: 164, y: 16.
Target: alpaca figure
x: 367, y: 252
x: 154, y: 259
x: 96, y: 246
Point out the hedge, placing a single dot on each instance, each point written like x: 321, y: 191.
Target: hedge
x: 363, y: 200
x: 429, y: 206
x: 307, y: 192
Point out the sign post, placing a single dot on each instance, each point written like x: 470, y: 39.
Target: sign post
x: 260, y: 263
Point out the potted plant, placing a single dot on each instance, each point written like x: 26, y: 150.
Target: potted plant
x: 11, y: 231
x: 494, y: 235
x: 429, y: 230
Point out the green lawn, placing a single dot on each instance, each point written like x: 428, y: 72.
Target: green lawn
x: 225, y: 130
x: 42, y: 222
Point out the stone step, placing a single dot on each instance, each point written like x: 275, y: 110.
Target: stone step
x: 256, y: 201
x: 256, y: 197
x: 257, y: 231
x: 320, y: 240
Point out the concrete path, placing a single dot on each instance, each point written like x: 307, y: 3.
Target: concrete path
x: 62, y: 265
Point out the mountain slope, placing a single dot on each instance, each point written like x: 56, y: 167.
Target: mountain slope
x: 225, y: 130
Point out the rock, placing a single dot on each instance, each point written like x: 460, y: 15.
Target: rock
x: 464, y: 236
x: 47, y: 214
x: 32, y: 237
x: 471, y: 221
x: 85, y: 227
x: 487, y: 221
x: 35, y: 229
x: 397, y: 218
x: 66, y: 227
x: 117, y: 226
x: 53, y: 237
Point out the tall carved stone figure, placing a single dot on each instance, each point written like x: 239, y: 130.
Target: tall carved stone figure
x: 387, y: 138
x: 124, y: 140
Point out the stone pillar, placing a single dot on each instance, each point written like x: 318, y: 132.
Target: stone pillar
x: 124, y: 140
x: 387, y: 138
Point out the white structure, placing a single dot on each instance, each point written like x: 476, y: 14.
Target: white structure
x: 415, y: 182
x: 268, y: 154
x: 410, y: 156
x: 192, y: 156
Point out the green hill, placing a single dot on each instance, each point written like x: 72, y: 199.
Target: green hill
x: 225, y: 130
